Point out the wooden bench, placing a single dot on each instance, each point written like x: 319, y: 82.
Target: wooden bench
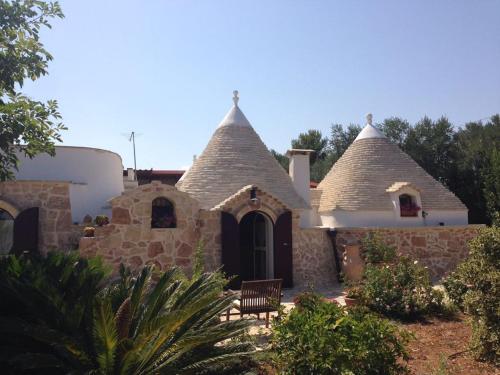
x: 260, y: 296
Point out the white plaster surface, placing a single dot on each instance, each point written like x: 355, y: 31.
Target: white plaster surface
x: 95, y: 175
x: 341, y: 218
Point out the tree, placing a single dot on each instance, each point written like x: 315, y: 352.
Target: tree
x: 431, y: 145
x: 341, y: 139
x: 476, y: 179
x: 396, y: 129
x: 282, y: 159
x: 312, y: 140
x: 26, y: 125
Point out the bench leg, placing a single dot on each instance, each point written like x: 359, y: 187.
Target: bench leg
x: 258, y: 316
x: 267, y: 319
x: 228, y: 312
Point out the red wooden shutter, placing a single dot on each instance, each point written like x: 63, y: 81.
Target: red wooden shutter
x: 26, y: 232
x: 283, y: 259
x: 231, y: 263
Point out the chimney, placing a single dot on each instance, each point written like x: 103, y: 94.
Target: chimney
x: 130, y: 174
x: 300, y: 173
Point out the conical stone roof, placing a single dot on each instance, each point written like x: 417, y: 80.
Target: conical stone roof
x: 236, y: 157
x: 369, y: 170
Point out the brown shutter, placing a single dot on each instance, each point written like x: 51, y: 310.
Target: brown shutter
x: 231, y: 263
x: 283, y: 261
x: 26, y: 232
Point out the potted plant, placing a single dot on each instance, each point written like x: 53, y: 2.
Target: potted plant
x: 89, y: 232
x: 353, y: 295
x: 101, y: 220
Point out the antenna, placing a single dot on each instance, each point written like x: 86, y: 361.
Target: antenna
x: 131, y: 138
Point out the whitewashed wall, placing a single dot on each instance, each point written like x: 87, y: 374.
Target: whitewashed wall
x: 341, y: 219
x: 96, y: 176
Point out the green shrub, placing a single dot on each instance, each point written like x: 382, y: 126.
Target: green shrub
x: 401, y: 289
x: 395, y: 286
x: 475, y: 287
x: 375, y: 251
x: 324, y: 338
x: 306, y: 300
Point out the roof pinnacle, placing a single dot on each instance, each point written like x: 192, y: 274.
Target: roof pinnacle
x: 369, y: 119
x: 236, y: 98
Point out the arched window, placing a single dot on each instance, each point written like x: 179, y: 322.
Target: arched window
x: 6, y: 232
x: 408, y: 206
x: 163, y: 214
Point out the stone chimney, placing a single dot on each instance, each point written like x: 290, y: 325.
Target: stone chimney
x: 130, y: 181
x: 300, y: 174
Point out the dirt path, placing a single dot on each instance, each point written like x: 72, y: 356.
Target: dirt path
x: 435, y: 340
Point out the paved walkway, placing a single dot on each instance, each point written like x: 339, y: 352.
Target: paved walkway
x: 259, y: 328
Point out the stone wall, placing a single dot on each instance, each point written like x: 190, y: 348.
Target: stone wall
x: 313, y: 260
x: 56, y: 231
x: 438, y: 248
x: 129, y: 238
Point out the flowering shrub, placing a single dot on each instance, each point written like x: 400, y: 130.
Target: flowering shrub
x: 324, y: 338
x: 475, y: 288
x: 400, y: 289
x: 395, y: 286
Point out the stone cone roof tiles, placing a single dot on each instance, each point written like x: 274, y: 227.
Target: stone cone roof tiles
x: 234, y: 158
x: 372, y: 167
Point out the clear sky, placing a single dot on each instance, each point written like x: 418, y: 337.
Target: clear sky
x: 167, y: 69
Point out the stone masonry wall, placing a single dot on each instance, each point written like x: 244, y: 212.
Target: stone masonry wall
x: 313, y: 260
x: 438, y: 248
x: 129, y: 238
x: 56, y: 231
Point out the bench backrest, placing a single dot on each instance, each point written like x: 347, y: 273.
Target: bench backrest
x: 260, y: 296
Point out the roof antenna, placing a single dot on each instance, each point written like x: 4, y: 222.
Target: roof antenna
x: 236, y: 98
x: 369, y: 119
x: 131, y: 138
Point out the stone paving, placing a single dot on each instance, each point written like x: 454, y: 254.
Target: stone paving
x: 259, y: 327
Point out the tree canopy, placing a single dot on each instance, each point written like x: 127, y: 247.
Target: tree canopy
x: 465, y: 159
x: 26, y: 125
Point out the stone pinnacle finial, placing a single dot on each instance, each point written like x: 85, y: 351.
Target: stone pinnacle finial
x: 235, y: 97
x: 369, y: 119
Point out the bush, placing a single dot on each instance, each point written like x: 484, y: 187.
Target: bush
x: 324, y: 338
x: 306, y: 300
x: 475, y: 288
x: 395, y: 286
x: 401, y: 289
x: 375, y: 251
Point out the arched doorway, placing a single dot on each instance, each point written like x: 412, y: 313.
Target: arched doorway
x: 256, y: 246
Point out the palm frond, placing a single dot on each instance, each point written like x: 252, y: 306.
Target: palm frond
x: 106, y: 336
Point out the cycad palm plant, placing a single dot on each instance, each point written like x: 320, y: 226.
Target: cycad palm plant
x: 134, y: 326
x: 171, y: 326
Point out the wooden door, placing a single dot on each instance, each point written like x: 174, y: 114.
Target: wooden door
x: 231, y: 260
x: 283, y: 257
x: 26, y: 232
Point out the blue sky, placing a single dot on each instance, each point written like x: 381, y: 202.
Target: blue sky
x: 167, y: 69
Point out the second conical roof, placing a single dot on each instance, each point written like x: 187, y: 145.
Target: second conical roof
x: 367, y: 171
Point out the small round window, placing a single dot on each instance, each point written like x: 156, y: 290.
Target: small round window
x: 163, y: 214
x: 6, y: 232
